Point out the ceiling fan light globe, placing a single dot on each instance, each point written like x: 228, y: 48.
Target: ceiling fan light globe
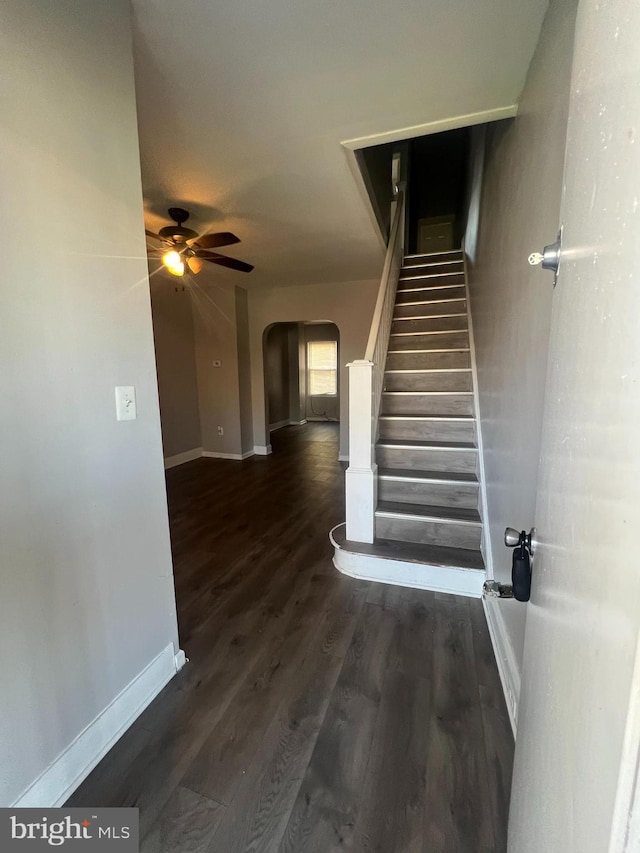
x: 195, y: 265
x: 173, y: 262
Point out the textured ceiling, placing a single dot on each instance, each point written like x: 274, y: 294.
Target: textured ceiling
x: 243, y: 105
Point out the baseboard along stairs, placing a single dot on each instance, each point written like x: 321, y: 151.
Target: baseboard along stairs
x: 428, y: 527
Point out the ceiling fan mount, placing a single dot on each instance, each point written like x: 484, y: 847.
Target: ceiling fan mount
x: 185, y: 249
x: 176, y: 232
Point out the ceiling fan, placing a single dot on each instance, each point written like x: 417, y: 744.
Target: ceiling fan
x: 184, y: 249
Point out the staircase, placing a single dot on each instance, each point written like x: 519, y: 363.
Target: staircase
x: 427, y: 456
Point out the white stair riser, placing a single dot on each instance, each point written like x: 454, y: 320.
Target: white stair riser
x: 427, y: 404
x: 427, y: 360
x: 427, y: 257
x: 429, y: 340
x: 425, y: 430
x: 422, y: 294
x: 450, y: 533
x: 432, y: 258
x: 436, y: 381
x: 427, y: 459
x: 429, y: 281
x: 463, y: 495
x: 432, y: 268
x: 431, y: 324
x: 428, y: 309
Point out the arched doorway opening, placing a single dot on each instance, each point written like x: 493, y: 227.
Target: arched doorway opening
x: 301, y: 374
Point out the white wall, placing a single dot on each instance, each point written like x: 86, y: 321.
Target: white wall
x: 174, y: 340
x: 348, y: 305
x: 87, y: 588
x: 277, y: 373
x: 244, y: 369
x: 511, y: 301
x: 297, y: 378
x: 220, y: 319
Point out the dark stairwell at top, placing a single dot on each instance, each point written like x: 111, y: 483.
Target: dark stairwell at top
x: 438, y: 178
x: 428, y: 468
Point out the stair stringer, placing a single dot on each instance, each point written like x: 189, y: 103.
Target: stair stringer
x: 485, y: 547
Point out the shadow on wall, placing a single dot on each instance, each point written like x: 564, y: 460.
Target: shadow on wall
x: 301, y: 375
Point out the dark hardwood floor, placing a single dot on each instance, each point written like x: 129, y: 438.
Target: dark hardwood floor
x: 316, y: 713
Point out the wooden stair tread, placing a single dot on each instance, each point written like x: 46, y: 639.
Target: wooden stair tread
x: 440, y: 349
x: 428, y: 370
x: 426, y: 476
x: 426, y: 445
x: 417, y: 334
x: 409, y: 552
x: 436, y: 513
x: 396, y: 416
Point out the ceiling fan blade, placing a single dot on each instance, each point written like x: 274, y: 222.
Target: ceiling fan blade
x: 232, y: 264
x: 214, y: 241
x: 155, y: 236
x: 224, y: 261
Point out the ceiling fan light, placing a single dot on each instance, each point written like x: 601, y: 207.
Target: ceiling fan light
x: 173, y: 262
x: 194, y: 264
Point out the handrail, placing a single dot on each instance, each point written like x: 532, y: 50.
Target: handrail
x: 384, y: 280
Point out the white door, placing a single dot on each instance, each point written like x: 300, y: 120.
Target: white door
x: 434, y: 236
x: 574, y: 772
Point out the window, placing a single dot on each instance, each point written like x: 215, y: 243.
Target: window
x: 322, y: 361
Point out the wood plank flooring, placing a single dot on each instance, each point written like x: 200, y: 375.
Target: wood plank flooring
x: 317, y: 713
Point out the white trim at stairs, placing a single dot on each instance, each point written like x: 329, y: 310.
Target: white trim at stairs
x: 400, y: 573
x: 343, y: 457
x: 505, y: 656
x: 262, y: 449
x: 73, y: 765
x: 212, y: 454
x: 431, y: 127
x: 487, y: 551
x: 181, y: 458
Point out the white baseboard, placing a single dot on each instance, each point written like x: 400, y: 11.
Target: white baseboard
x: 368, y: 567
x: 505, y: 657
x: 198, y: 453
x: 281, y: 424
x: 262, y: 449
x: 181, y: 458
x: 212, y: 454
x: 55, y: 784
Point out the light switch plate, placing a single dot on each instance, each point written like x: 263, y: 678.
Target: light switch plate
x: 126, y: 403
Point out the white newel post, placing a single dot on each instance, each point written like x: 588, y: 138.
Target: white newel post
x: 361, y: 478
